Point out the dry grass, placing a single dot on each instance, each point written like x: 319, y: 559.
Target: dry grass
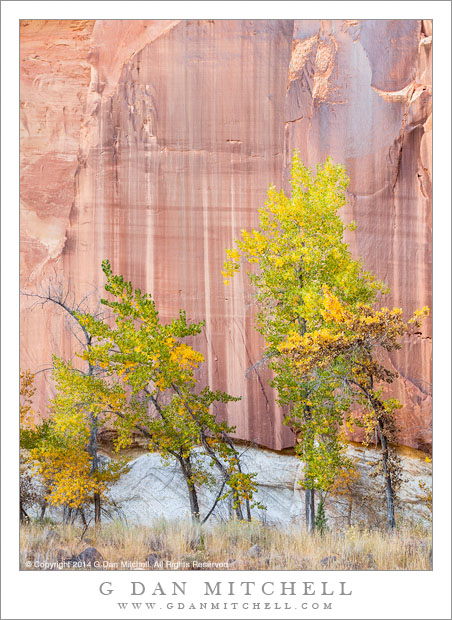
x: 234, y: 545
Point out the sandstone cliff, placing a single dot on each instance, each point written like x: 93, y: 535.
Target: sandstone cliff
x: 152, y: 143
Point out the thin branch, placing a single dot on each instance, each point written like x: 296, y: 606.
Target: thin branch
x: 84, y: 529
x: 43, y: 370
x: 259, y: 363
x: 215, y: 503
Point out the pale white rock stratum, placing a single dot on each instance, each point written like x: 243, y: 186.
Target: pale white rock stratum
x: 151, y: 490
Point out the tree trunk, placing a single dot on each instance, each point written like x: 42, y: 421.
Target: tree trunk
x: 194, y: 505
x: 43, y: 510
x: 248, y: 510
x: 67, y: 515
x: 24, y: 518
x: 192, y: 495
x: 387, y: 475
x: 82, y: 516
x: 310, y: 510
x: 309, y: 493
x: 349, y: 514
x: 97, y: 508
x: 238, y: 510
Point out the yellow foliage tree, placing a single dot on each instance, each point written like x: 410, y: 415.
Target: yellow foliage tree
x: 298, y: 247
x: 55, y: 451
x: 349, y: 342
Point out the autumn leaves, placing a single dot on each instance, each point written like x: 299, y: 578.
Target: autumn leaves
x: 323, y: 336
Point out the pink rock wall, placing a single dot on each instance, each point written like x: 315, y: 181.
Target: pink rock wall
x: 153, y: 144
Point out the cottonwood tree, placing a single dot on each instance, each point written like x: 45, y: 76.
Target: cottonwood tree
x: 297, y: 248
x: 55, y: 455
x: 56, y: 291
x: 350, y: 343
x: 148, y: 384
x: 108, y: 392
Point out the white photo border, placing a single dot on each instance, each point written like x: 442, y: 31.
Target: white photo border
x: 391, y: 594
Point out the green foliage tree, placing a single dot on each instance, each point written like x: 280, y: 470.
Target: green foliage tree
x: 297, y: 249
x: 55, y: 291
x: 56, y: 450
x: 146, y: 382
x: 350, y: 343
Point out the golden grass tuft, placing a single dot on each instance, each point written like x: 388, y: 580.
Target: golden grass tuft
x: 236, y: 545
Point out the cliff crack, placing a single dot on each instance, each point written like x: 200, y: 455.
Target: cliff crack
x: 263, y: 390
x: 267, y: 403
x: 409, y: 95
x: 243, y: 340
x: 294, y: 120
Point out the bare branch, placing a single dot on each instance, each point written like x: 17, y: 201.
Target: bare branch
x: 57, y: 290
x: 259, y: 364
